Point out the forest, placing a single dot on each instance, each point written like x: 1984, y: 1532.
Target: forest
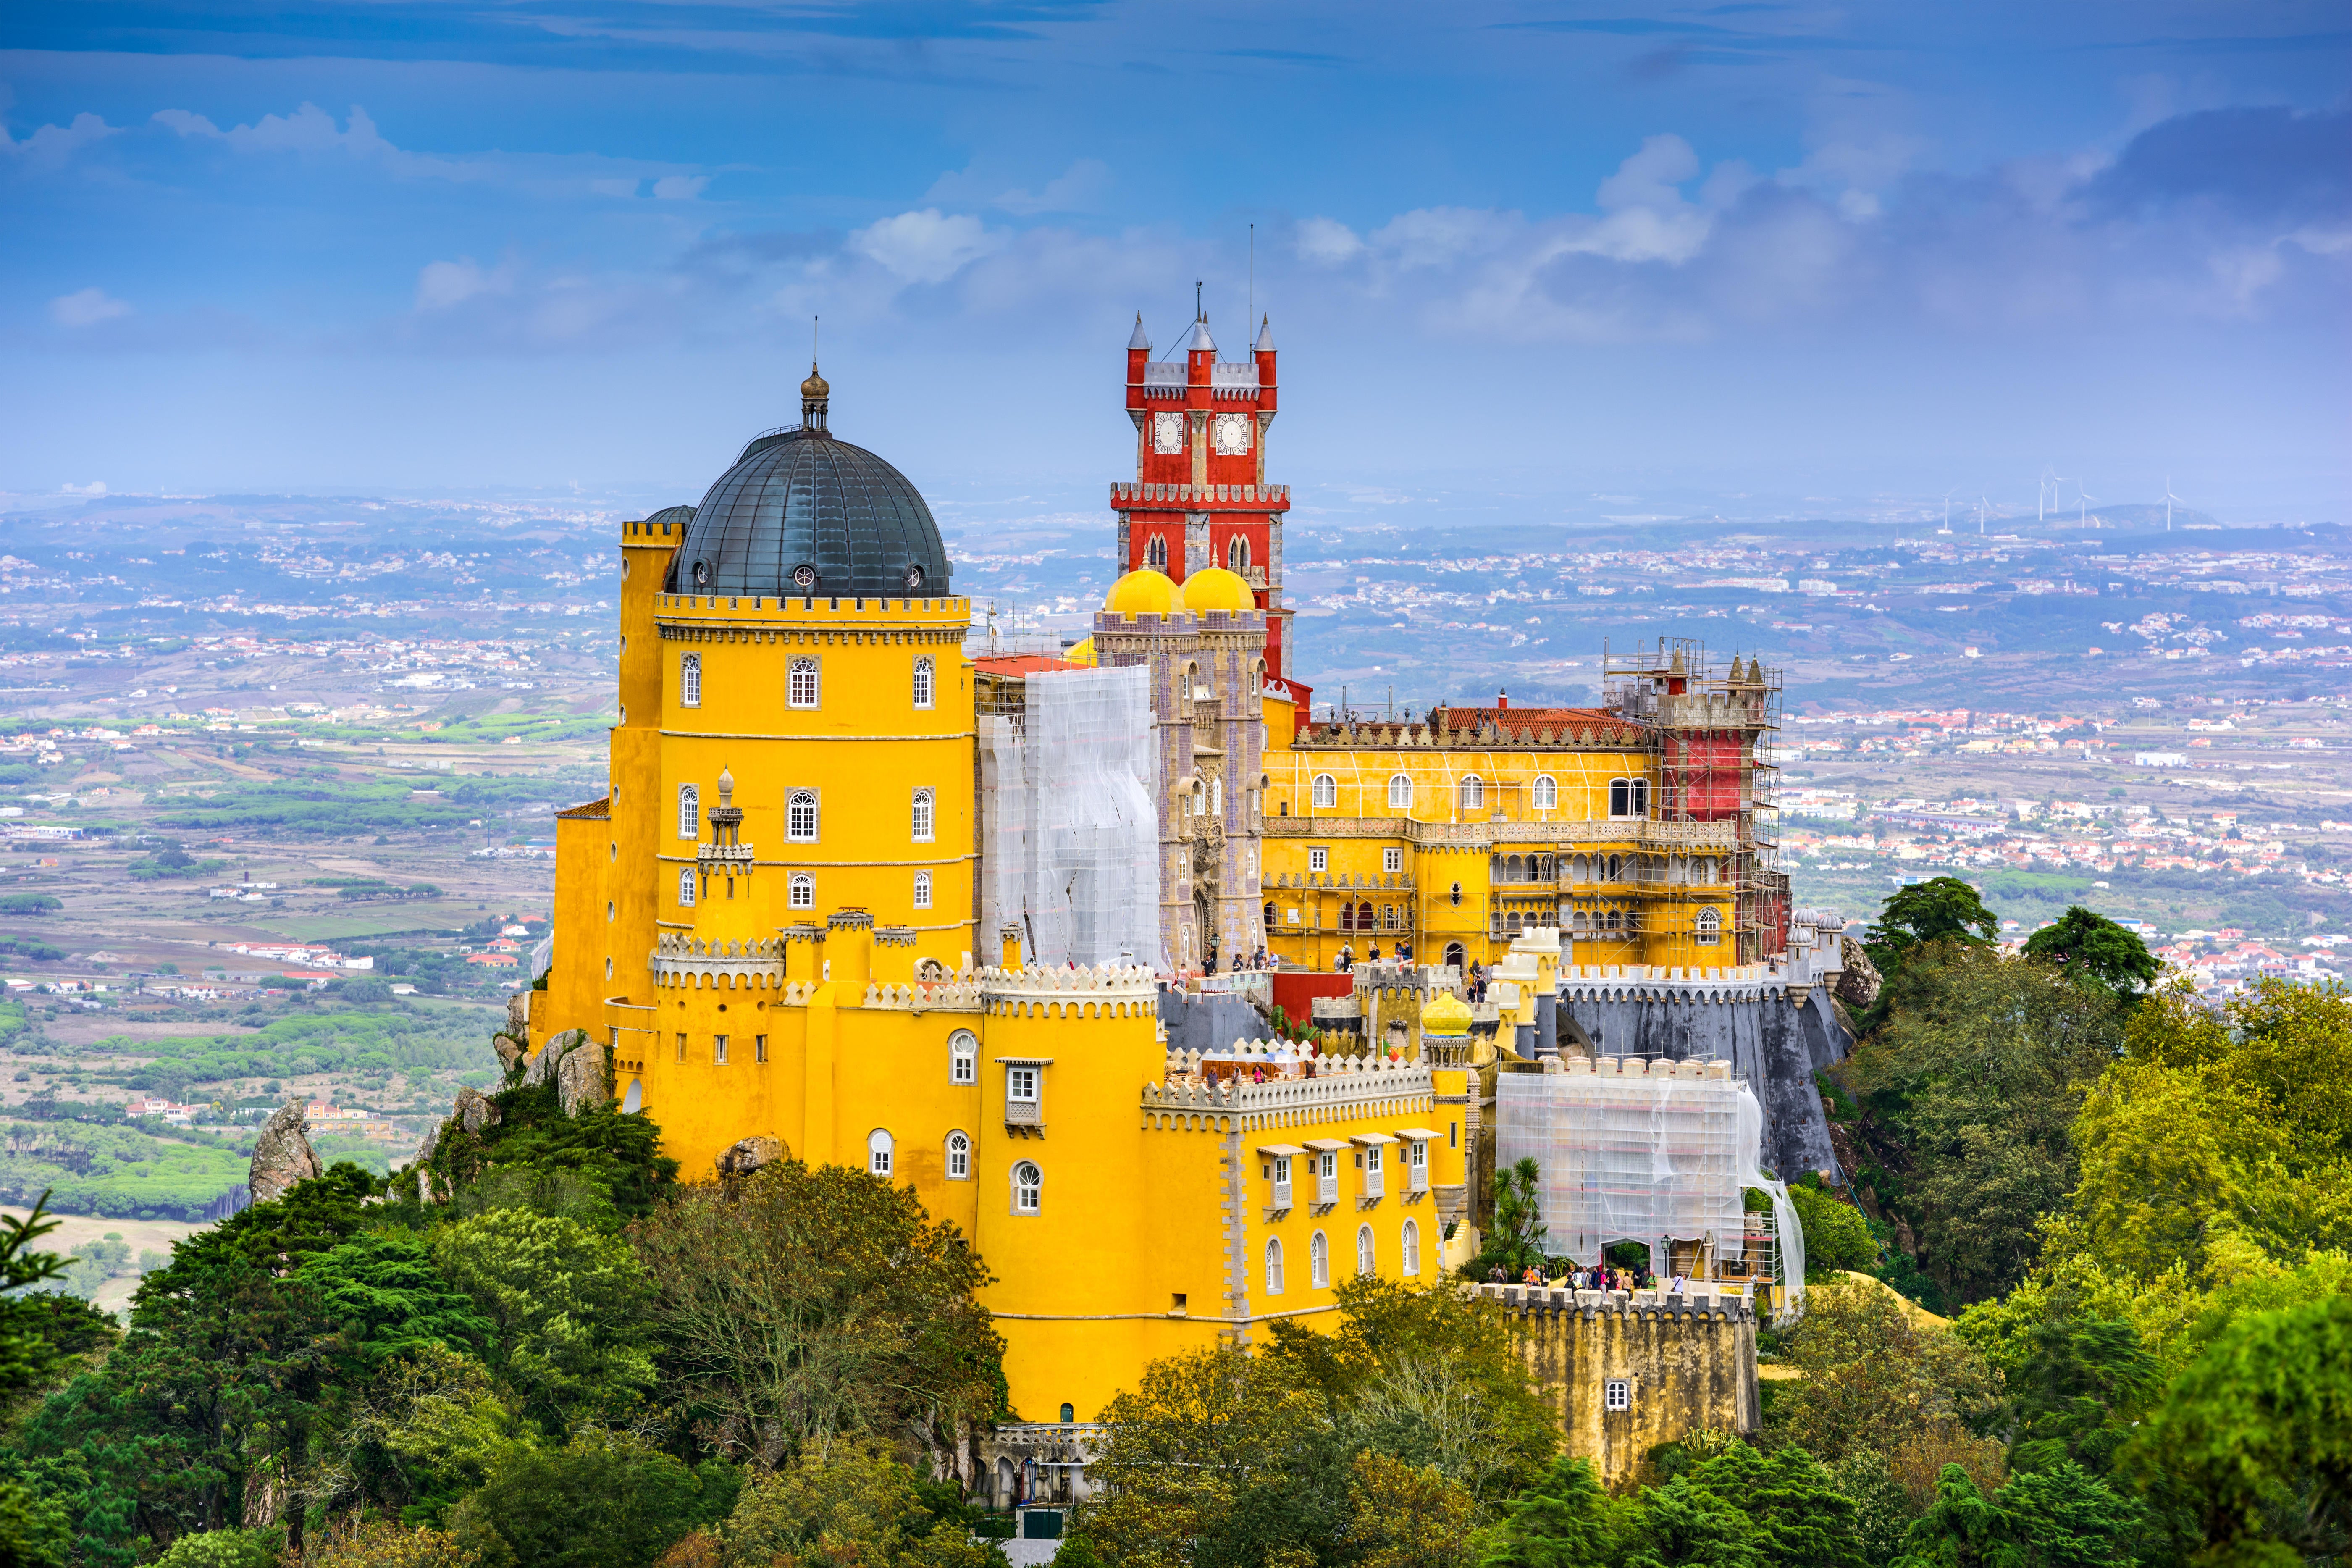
x: 2084, y: 1299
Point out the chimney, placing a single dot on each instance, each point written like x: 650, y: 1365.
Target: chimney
x: 1502, y: 699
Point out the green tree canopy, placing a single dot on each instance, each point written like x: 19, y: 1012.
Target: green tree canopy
x: 1941, y: 908
x: 2096, y: 950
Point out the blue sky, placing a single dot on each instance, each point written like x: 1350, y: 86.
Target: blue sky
x: 1533, y: 262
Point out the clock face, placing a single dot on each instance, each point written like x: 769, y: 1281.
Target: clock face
x: 1233, y: 431
x: 1168, y: 433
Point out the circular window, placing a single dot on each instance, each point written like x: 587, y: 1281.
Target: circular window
x: 914, y: 578
x: 701, y: 573
x: 803, y: 575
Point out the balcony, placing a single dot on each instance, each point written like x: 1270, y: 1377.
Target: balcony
x: 1024, y: 1113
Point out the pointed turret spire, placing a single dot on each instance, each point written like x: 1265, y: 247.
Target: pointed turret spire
x: 1265, y: 335
x: 1140, y: 341
x: 1198, y: 340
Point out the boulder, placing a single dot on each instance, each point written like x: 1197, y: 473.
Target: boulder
x: 746, y: 1155
x: 282, y: 1155
x: 510, y: 1051
x: 580, y: 1079
x: 1859, y: 986
x: 519, y: 1014
x: 475, y: 1111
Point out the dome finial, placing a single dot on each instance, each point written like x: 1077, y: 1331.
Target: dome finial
x: 814, y: 393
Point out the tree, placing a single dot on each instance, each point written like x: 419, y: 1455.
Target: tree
x: 2063, y: 1517
x: 1941, y: 908
x: 1796, y: 1515
x: 381, y: 1544
x: 418, y: 1437
x: 1400, y: 1517
x: 385, y: 1298
x: 855, y: 1503
x: 803, y: 1305
x: 222, y: 1549
x: 1836, y: 1235
x: 600, y: 1501
x: 2253, y: 1440
x: 2077, y: 1393
x: 1515, y: 1238
x: 566, y: 1307
x: 1563, y: 1521
x: 2096, y: 950
x: 41, y: 1332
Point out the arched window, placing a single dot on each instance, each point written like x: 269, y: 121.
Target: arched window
x: 1274, y: 1265
x: 1363, y: 1249
x: 690, y: 680
x: 1453, y: 955
x: 1641, y: 797
x: 1327, y: 791
x: 689, y: 812
x: 1410, y: 1263
x: 1269, y: 915
x: 1364, y: 917
x: 800, y: 816
x: 685, y: 890
x: 1621, y: 797
x: 1546, y: 792
x: 958, y: 1157
x: 878, y: 1149
x: 1028, y: 1187
x: 1237, y: 554
x: 803, y: 893
x: 1318, y: 1262
x: 801, y: 690
x: 922, y: 890
x: 922, y: 816
x: 963, y: 1058
x: 1474, y: 793
x: 1155, y: 553
x: 1707, y: 929
x: 1616, y: 868
x: 1514, y: 869
x: 922, y: 683
x: 1399, y: 792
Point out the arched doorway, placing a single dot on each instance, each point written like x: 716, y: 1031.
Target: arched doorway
x: 1454, y: 955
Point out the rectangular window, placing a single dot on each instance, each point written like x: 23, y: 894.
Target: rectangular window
x: 718, y: 1050
x: 1318, y: 859
x: 1417, y: 1165
x: 1617, y: 1394
x: 1282, y: 1181
x: 1375, y: 1176
x: 1327, y: 1176
x: 681, y: 1048
x: 1021, y: 1084
x: 801, y: 684
x: 758, y: 1048
x: 1391, y: 861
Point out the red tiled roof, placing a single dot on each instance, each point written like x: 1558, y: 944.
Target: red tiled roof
x: 594, y: 810
x: 1531, y: 718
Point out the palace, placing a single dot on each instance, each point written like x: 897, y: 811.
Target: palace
x: 858, y: 893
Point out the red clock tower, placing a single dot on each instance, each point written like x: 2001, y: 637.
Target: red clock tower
x: 1200, y: 496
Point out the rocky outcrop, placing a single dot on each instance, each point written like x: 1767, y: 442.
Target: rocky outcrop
x: 282, y: 1155
x: 1859, y: 986
x: 746, y: 1155
x: 510, y: 1050
x: 475, y: 1111
x: 580, y: 1077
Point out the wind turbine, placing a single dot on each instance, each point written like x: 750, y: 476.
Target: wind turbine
x: 2044, y: 488
x: 2168, y: 499
x: 2081, y: 505
x: 1981, y: 504
x: 1947, y: 512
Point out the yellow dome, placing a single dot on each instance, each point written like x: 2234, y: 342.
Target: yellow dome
x: 1081, y: 652
x: 1144, y: 593
x: 1217, y: 589
x: 1445, y: 1014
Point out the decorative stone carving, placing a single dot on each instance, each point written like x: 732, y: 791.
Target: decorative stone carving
x: 282, y: 1155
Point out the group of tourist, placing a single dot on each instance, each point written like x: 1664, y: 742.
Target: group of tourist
x: 1400, y: 954
x: 1599, y: 1277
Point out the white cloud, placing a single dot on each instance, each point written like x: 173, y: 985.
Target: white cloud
x: 679, y: 188
x: 85, y: 308
x: 1439, y: 236
x: 615, y: 187
x: 310, y: 128
x: 925, y: 247
x: 53, y: 144
x: 1078, y: 188
x: 95, y: 488
x: 442, y: 284
x: 1325, y: 242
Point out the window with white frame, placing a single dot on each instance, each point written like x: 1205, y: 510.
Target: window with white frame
x: 1327, y: 1176
x: 922, y: 890
x: 1363, y: 1249
x: 800, y: 683
x: 718, y: 1050
x: 800, y: 816
x: 1392, y: 860
x: 1021, y: 1085
x: 1474, y: 793
x: 1318, y: 1262
x: 685, y: 890
x: 1281, y: 1175
x: 1416, y: 1165
x: 1409, y: 1250
x: 963, y: 1057
x: 1274, y: 1265
x: 690, y: 680
x: 958, y: 1157
x: 1028, y: 1187
x: 878, y: 1152
x: 1617, y: 1394
x: 923, y: 683
x: 1708, y: 929
x: 1546, y: 792
x: 1375, y: 1172
x: 1399, y: 792
x: 922, y: 816
x: 1629, y: 797
x: 1318, y: 859
x: 1325, y: 791
x: 803, y: 893
x: 689, y: 812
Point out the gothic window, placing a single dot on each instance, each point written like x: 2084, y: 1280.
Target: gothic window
x: 1410, y: 1264
x: 923, y: 817
x: 1474, y: 793
x: 803, y: 893
x: 1237, y: 555
x: 1363, y: 917
x: 1709, y: 928
x: 800, y: 816
x: 1155, y: 553
x: 1399, y: 792
x: 1318, y: 1262
x: 922, y: 890
x: 958, y: 1157
x: 963, y: 1058
x: 685, y: 890
x: 1028, y: 1187
x: 689, y: 812
x: 1274, y: 1265
x: 878, y: 1150
x: 1327, y: 791
x: 800, y: 687
x: 1546, y: 792
x: 922, y: 683
x: 690, y: 680
x: 1363, y: 1249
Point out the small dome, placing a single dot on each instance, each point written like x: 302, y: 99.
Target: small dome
x: 1215, y: 588
x: 801, y: 514
x: 1143, y: 593
x: 1445, y: 1014
x: 814, y: 387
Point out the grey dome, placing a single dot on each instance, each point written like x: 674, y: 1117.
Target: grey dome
x: 799, y: 498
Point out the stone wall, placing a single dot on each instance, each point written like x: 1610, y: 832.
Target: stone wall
x: 1688, y: 1363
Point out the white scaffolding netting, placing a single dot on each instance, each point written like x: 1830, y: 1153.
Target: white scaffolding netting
x: 1652, y: 1152
x: 1069, y: 834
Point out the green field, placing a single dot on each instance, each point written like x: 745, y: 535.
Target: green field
x: 116, y: 1172
x: 407, y: 1041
